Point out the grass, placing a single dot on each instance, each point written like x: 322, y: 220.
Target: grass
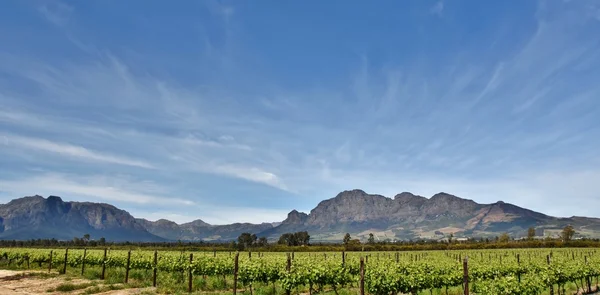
x: 102, y: 289
x: 68, y: 287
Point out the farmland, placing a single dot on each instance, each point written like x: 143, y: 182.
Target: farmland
x: 522, y: 271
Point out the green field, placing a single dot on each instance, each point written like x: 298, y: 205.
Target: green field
x: 522, y: 271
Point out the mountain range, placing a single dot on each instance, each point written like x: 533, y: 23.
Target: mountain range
x: 406, y: 216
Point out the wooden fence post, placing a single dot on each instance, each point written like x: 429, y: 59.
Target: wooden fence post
x: 288, y: 268
x: 27, y: 259
x: 466, y: 275
x: 235, y: 272
x: 155, y: 268
x: 552, y: 286
x: 50, y: 263
x: 190, y: 273
x: 587, y: 279
x: 362, y: 276
x: 127, y: 267
x: 83, y: 261
x: 343, y: 259
x: 519, y: 263
x: 64, y: 271
x: 103, y: 265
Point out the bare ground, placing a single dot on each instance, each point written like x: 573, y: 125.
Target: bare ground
x: 32, y: 282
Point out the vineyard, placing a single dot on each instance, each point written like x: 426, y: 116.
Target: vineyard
x: 539, y: 271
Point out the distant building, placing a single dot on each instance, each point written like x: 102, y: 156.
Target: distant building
x: 539, y: 232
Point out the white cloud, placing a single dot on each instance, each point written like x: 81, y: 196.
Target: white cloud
x: 71, y: 151
x: 104, y: 188
x: 56, y: 12
x: 438, y: 8
x: 251, y: 174
x: 225, y: 142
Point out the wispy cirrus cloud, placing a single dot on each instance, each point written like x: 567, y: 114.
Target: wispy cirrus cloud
x: 69, y: 151
x: 56, y: 12
x: 94, y: 187
x: 252, y: 174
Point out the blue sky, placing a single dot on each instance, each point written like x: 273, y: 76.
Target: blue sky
x: 244, y: 110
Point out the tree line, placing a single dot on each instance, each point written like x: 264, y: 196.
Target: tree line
x: 300, y: 241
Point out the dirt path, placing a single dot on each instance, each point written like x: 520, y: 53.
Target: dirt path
x: 28, y: 282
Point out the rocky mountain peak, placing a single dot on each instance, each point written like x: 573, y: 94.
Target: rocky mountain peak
x: 54, y: 199
x: 27, y: 200
x: 350, y: 193
x: 197, y: 223
x: 404, y: 195
x: 407, y: 197
x: 165, y: 222
x: 295, y: 217
x: 349, y: 206
x: 444, y: 196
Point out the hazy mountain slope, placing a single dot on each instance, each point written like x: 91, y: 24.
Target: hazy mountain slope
x: 200, y: 230
x: 36, y: 217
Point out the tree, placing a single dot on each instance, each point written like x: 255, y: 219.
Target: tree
x: 450, y: 237
x: 531, y: 233
x: 504, y: 238
x: 371, y: 239
x: 102, y: 241
x: 86, y: 237
x: 347, y: 239
x: 262, y: 242
x: 567, y: 233
x: 302, y: 238
x: 285, y: 239
x: 246, y: 240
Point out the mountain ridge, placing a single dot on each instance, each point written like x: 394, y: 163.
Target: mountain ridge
x: 405, y: 216
x: 36, y: 217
